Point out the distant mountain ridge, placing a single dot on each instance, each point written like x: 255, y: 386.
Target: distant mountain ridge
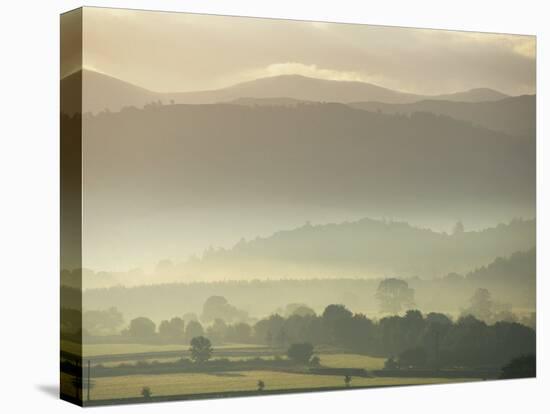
x: 471, y: 95
x: 514, y: 115
x: 299, y: 144
x: 364, y: 248
x: 232, y: 156
x: 102, y: 92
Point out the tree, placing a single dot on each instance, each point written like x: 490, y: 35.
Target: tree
x: 336, y: 313
x: 300, y: 353
x: 394, y: 294
x: 193, y: 330
x: 239, y: 333
x: 435, y: 318
x: 268, y: 330
x: 146, y: 393
x: 214, y: 307
x: 261, y: 385
x: 303, y: 311
x: 281, y: 338
x: 217, y: 307
x: 413, y: 325
x: 481, y: 305
x: 315, y: 361
x: 413, y: 357
x: 390, y: 363
x: 217, y: 331
x: 201, y: 349
x: 141, y: 328
x: 190, y: 316
x: 347, y: 380
x: 524, y: 366
x: 458, y: 228
x: 298, y: 309
x: 173, y: 330
x: 102, y: 322
x: 437, y: 326
x: 337, y: 319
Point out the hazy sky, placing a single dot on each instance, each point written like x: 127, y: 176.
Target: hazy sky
x: 170, y: 52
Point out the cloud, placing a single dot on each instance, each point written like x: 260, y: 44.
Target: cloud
x: 184, y: 52
x: 526, y: 47
x: 516, y: 44
x: 312, y: 71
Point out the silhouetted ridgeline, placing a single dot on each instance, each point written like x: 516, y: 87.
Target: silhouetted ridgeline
x: 514, y: 115
x: 106, y: 92
x: 231, y: 154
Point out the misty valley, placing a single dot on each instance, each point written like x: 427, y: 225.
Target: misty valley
x: 293, y: 233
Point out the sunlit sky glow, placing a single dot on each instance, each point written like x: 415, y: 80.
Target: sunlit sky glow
x: 170, y: 52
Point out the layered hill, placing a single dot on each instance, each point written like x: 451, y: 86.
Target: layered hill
x: 513, y: 115
x: 151, y: 176
x: 513, y: 284
x: 103, y: 92
x: 367, y: 248
x: 321, y: 153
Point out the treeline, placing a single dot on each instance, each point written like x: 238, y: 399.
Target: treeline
x: 412, y: 340
x: 177, y: 330
x: 511, y: 280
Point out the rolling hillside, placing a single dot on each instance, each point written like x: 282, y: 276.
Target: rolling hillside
x: 366, y: 248
x: 513, y: 115
x: 102, y: 92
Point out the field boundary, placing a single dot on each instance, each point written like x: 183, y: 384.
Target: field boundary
x: 237, y: 394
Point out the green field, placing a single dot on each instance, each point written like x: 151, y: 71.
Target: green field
x: 198, y: 383
x: 351, y: 361
x: 189, y: 383
x: 330, y: 359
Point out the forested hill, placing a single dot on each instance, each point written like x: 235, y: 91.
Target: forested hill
x: 365, y: 248
x: 514, y: 115
x: 507, y: 269
x: 157, y: 167
x: 218, y: 156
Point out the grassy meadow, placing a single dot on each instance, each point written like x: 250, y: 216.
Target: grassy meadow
x: 238, y: 380
x: 199, y: 383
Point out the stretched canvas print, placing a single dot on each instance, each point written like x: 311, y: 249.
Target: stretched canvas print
x: 259, y: 206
